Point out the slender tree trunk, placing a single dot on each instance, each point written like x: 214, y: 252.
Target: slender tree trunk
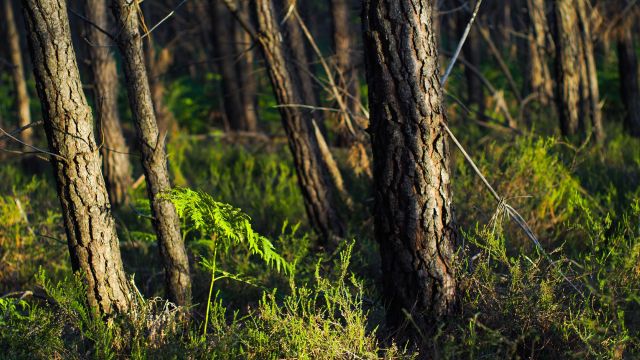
x: 224, y: 40
x: 246, y: 73
x: 311, y: 170
x: 90, y: 227
x: 540, y: 79
x: 17, y: 73
x: 347, y: 73
x: 473, y: 55
x: 154, y: 160
x: 114, y: 150
x: 577, y: 96
x: 414, y: 222
x: 158, y: 63
x: 629, y: 87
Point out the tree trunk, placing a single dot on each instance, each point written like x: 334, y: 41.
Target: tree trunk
x: 154, y: 162
x: 90, y: 227
x: 473, y: 54
x: 114, y: 150
x: 577, y: 84
x: 226, y: 61
x: 540, y: 79
x: 158, y: 64
x: 629, y: 87
x: 312, y: 173
x: 347, y: 73
x: 414, y: 222
x: 246, y: 73
x: 17, y: 73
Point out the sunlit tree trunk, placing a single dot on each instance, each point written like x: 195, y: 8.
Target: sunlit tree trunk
x: 414, y: 222
x: 90, y: 227
x: 540, y: 80
x: 577, y: 92
x: 17, y: 72
x: 114, y: 150
x: 312, y: 172
x: 154, y: 160
x: 629, y: 87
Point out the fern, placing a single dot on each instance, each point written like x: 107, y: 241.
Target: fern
x: 224, y: 225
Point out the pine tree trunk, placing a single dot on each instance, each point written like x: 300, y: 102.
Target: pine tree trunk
x: 17, y: 73
x: 114, y: 150
x: 311, y: 171
x: 577, y: 97
x: 246, y: 73
x: 629, y: 87
x: 347, y: 73
x: 154, y: 159
x: 414, y: 222
x: 540, y: 79
x: 90, y: 227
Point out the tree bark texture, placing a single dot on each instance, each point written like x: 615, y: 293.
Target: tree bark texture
x: 154, y: 160
x: 114, y: 150
x: 414, y: 222
x: 540, y: 79
x: 629, y: 86
x: 312, y: 173
x: 89, y: 224
x: 577, y: 92
x: 17, y: 73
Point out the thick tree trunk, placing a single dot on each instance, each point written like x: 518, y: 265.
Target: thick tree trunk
x: 629, y: 86
x: 17, y: 73
x: 414, y: 222
x: 114, y: 150
x: 347, y: 73
x: 226, y: 61
x: 312, y: 172
x: 90, y: 227
x: 154, y: 162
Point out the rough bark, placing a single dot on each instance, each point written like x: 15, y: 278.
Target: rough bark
x: 577, y: 92
x: 154, y: 161
x: 629, y: 86
x: 414, y: 222
x: 311, y: 171
x: 114, y: 150
x: 17, y: 73
x: 540, y: 80
x: 90, y: 227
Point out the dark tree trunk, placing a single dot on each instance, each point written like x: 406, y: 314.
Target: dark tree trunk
x: 17, y: 73
x: 154, y: 160
x: 158, y: 64
x: 114, y: 150
x: 473, y: 55
x: 312, y: 172
x: 414, y: 222
x: 629, y: 87
x: 224, y: 40
x: 89, y: 225
x: 347, y: 73
x: 246, y: 73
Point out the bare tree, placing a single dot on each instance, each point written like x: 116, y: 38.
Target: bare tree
x: 311, y: 169
x: 90, y: 227
x: 152, y: 148
x: 414, y: 221
x: 17, y: 72
x: 114, y: 150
